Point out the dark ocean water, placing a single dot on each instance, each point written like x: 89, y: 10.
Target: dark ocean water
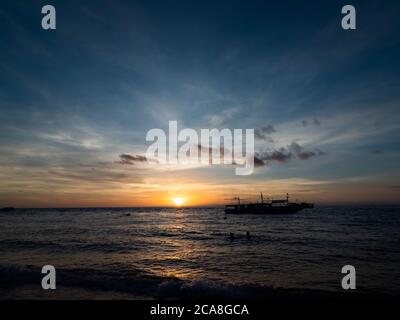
x: 175, y: 253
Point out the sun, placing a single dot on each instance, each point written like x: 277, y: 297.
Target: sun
x: 178, y: 201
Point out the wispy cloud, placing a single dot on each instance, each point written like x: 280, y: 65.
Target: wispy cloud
x: 263, y: 133
x: 129, y: 159
x: 284, y: 154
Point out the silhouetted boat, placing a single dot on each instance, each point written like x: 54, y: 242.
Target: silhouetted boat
x: 268, y: 207
x: 7, y: 209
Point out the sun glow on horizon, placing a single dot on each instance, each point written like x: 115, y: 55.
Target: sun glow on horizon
x: 178, y: 201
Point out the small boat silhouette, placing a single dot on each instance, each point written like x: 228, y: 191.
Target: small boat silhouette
x: 7, y: 209
x: 267, y: 207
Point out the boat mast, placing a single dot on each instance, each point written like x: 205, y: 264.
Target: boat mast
x: 262, y: 199
x: 287, y: 197
x: 238, y: 200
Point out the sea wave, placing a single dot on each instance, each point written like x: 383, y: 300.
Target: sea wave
x: 137, y: 282
x: 70, y: 246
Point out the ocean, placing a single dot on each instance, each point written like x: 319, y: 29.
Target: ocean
x: 168, y: 253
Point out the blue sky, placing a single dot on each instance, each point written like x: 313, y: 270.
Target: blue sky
x: 74, y: 99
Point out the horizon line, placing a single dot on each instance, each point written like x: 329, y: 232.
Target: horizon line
x: 200, y: 206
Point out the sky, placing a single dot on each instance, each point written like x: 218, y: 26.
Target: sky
x: 76, y: 102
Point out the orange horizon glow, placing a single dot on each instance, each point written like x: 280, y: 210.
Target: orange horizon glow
x: 193, y: 192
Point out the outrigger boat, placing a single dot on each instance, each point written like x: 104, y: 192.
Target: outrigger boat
x: 267, y: 207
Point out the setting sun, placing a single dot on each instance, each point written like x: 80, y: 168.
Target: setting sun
x: 178, y: 201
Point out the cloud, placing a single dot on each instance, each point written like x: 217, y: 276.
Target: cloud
x: 300, y: 152
x: 283, y: 155
x: 314, y: 121
x: 258, y: 162
x: 83, y: 138
x: 129, y: 159
x: 95, y: 173
x: 223, y: 117
x: 263, y: 132
x: 305, y: 155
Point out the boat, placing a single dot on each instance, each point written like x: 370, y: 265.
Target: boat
x: 283, y: 206
x: 6, y: 209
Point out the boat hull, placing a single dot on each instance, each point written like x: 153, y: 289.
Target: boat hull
x: 268, y: 210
